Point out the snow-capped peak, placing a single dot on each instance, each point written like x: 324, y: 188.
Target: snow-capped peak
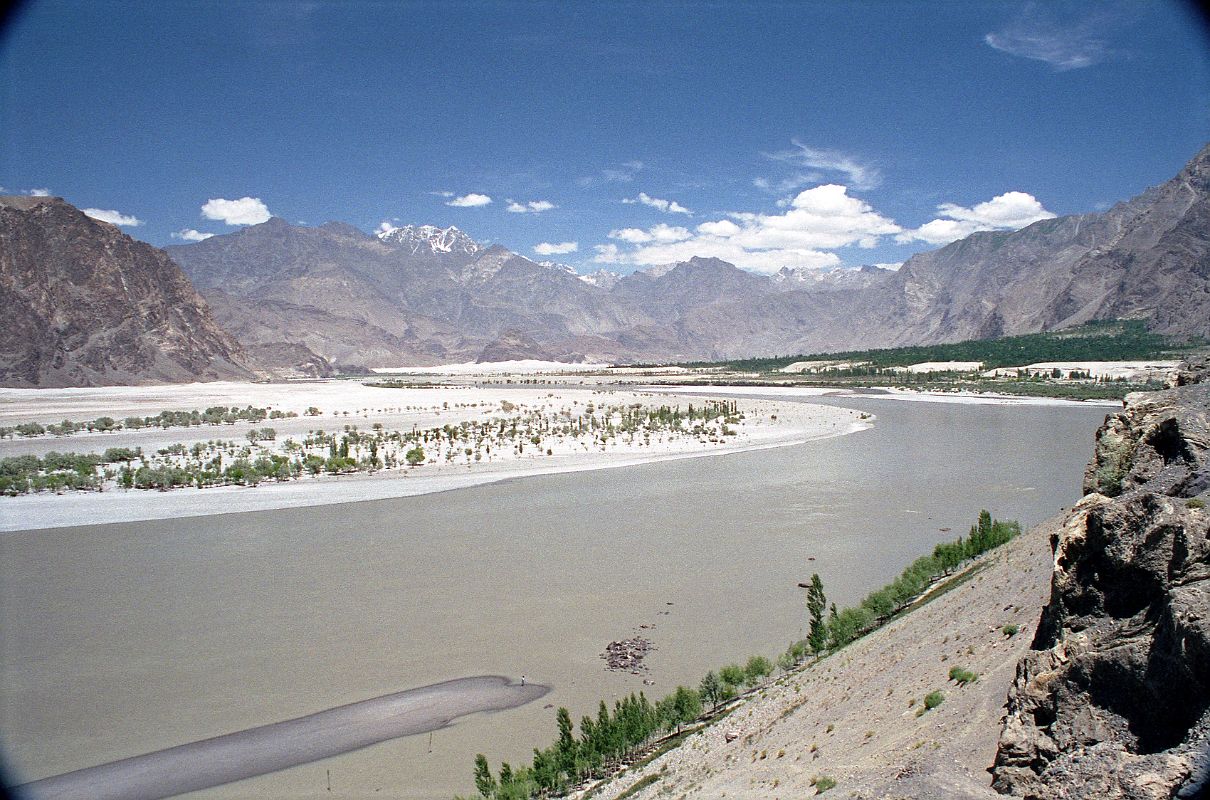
x: 557, y: 267
x: 602, y: 279
x: 418, y: 238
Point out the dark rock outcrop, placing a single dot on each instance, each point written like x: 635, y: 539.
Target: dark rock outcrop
x: 85, y: 304
x: 1113, y: 701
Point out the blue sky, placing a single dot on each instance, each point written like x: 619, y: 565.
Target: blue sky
x: 770, y: 134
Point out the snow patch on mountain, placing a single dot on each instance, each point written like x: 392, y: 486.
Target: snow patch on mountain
x: 602, y: 279
x: 418, y: 238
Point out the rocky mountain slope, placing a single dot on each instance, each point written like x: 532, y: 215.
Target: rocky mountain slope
x: 413, y: 295
x: 425, y: 295
x: 1113, y: 701
x: 1146, y: 259
x: 85, y: 304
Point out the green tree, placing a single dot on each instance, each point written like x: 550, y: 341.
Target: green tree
x: 757, y: 668
x: 565, y: 747
x: 732, y: 675
x: 711, y: 689
x: 415, y: 456
x: 817, y: 602
x: 484, y: 781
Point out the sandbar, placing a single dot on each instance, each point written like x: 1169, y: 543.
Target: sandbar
x: 269, y: 748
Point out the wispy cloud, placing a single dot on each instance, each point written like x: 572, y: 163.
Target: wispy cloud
x: 818, y: 221
x: 556, y: 248
x: 618, y: 173
x: 113, y: 217
x: 1008, y: 211
x: 190, y: 235
x: 244, y: 211
x: 816, y: 164
x: 1039, y: 34
x: 531, y: 207
x: 39, y: 192
x: 472, y: 200
x: 667, y: 206
x: 442, y: 194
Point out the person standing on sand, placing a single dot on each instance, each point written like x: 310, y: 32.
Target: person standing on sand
x: 522, y: 680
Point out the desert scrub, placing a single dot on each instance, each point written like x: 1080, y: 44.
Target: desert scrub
x: 1010, y: 630
x: 822, y: 783
x: 639, y: 786
x: 933, y: 699
x: 962, y: 676
x: 1196, y: 502
x: 1113, y: 461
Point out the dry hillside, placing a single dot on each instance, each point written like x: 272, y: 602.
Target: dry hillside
x: 854, y: 716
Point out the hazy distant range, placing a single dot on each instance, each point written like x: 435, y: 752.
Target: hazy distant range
x: 86, y: 304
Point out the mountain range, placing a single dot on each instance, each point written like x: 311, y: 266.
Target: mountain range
x: 296, y: 300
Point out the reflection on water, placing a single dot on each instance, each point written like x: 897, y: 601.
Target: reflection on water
x: 123, y: 639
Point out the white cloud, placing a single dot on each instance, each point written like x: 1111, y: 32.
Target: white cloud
x: 532, y: 207
x: 442, y: 194
x: 667, y: 206
x: 190, y: 235
x: 386, y: 227
x: 820, y: 219
x: 893, y: 266
x: 556, y: 249
x: 471, y: 200
x: 1008, y: 211
x: 39, y: 192
x: 658, y: 233
x: 112, y: 217
x: 1039, y: 35
x: 818, y: 162
x: 244, y: 211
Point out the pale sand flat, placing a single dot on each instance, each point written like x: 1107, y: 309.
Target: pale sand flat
x: 257, y: 751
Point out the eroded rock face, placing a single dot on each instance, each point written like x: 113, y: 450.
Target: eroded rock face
x: 1113, y: 701
x: 86, y: 305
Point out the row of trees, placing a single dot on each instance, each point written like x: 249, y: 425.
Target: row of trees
x: 612, y: 738
x: 215, y: 415
x: 218, y: 463
x: 1124, y: 340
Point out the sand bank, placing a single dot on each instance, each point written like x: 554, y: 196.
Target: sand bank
x: 766, y: 424
x: 257, y: 751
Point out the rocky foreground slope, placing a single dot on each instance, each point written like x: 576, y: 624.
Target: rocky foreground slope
x: 1107, y: 682
x: 85, y: 304
x: 1113, y: 701
x: 854, y: 716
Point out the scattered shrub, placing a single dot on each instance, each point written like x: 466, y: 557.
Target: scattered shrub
x: 962, y: 676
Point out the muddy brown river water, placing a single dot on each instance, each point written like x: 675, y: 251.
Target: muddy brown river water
x: 118, y: 640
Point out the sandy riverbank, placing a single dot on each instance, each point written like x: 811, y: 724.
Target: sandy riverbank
x: 343, y: 403
x: 269, y: 748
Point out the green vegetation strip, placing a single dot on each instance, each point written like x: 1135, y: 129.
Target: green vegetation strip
x: 228, y: 463
x: 215, y: 415
x: 614, y: 739
x: 1126, y: 340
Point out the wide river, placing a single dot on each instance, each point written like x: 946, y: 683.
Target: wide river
x: 122, y: 639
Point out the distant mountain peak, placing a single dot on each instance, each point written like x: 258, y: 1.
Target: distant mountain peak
x: 419, y: 238
x: 557, y: 267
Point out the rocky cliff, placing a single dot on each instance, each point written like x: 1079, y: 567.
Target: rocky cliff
x: 84, y: 304
x: 1112, y: 701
